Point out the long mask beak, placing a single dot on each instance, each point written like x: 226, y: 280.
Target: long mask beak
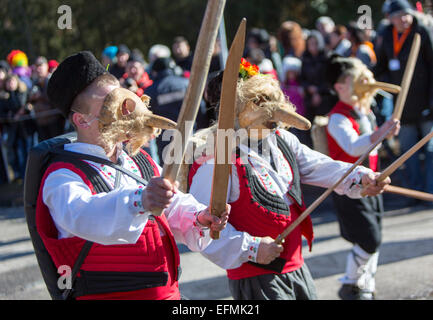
x: 291, y: 118
x: 365, y: 87
x: 160, y: 122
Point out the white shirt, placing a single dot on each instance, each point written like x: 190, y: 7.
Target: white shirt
x: 234, y: 247
x: 116, y: 217
x: 341, y: 129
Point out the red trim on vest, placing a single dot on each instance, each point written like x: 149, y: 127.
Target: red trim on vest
x: 149, y: 158
x: 335, y: 151
x: 148, y: 254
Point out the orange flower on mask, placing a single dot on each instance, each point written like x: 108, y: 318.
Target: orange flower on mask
x: 247, y: 70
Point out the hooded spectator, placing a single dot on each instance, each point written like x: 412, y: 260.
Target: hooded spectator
x: 290, y: 83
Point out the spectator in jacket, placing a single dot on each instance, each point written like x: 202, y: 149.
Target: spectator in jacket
x: 17, y: 142
x: 167, y: 93
x: 417, y: 117
x: 362, y: 47
x: 122, y: 57
x: 276, y: 56
x: 50, y: 122
x: 136, y: 78
x: 291, y: 87
x: 338, y: 43
x: 317, y: 94
x: 182, y: 53
x: 292, y: 40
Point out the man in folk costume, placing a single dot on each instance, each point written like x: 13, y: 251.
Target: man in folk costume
x: 351, y: 131
x: 83, y: 198
x: 265, y: 192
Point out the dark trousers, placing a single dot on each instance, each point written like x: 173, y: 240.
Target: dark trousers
x: 295, y: 285
x: 360, y: 220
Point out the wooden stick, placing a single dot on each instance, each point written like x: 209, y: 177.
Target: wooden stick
x: 409, y: 193
x: 397, y: 163
x: 197, y: 81
x: 226, y: 121
x: 407, y: 77
x: 319, y: 200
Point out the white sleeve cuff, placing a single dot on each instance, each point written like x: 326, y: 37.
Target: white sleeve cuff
x: 136, y: 201
x: 253, y: 248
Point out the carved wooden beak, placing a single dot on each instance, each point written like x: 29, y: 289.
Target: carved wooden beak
x: 291, y: 118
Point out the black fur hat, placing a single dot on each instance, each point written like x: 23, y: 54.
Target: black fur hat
x: 336, y: 66
x: 71, y: 77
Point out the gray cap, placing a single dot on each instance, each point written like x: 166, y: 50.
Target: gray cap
x: 40, y: 60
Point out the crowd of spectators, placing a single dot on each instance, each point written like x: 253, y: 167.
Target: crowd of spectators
x: 26, y: 116
x: 294, y: 55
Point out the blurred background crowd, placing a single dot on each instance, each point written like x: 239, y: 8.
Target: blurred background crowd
x: 293, y: 54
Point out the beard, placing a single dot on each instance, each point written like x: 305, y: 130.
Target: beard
x: 131, y: 129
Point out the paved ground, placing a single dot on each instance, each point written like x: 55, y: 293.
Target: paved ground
x: 405, y: 263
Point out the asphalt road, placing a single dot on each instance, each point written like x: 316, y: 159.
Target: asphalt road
x: 405, y: 263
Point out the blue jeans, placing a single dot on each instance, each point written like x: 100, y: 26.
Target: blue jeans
x: 418, y: 177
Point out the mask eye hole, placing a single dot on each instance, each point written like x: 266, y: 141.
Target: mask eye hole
x: 128, y: 106
x: 261, y: 99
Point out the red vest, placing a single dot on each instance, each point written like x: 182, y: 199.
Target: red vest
x: 335, y: 151
x: 252, y: 212
x: 152, y: 262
